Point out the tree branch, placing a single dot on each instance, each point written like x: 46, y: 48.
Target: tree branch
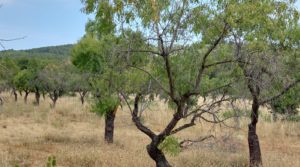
x: 137, y: 120
x: 148, y: 73
x: 281, y: 93
x: 144, y: 51
x: 219, y: 63
x: 212, y: 47
x: 126, y: 101
x: 195, y: 141
x: 170, y: 77
x: 13, y: 39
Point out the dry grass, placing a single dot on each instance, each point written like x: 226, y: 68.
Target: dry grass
x: 29, y: 134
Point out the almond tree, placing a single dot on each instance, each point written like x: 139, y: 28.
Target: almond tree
x: 54, y: 80
x: 100, y: 56
x: 9, y: 69
x: 80, y: 84
x: 182, y: 35
x: 262, y: 45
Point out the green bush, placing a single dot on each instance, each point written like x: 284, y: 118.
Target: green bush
x: 104, y: 105
x: 266, y: 117
x: 288, y: 103
x: 293, y: 118
x: 231, y: 113
x: 170, y: 146
x: 51, y: 161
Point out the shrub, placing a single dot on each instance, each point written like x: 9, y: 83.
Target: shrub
x: 170, y: 146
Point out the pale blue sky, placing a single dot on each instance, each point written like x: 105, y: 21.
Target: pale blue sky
x: 44, y: 22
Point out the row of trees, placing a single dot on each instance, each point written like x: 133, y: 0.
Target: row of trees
x: 187, y: 49
x: 42, y: 77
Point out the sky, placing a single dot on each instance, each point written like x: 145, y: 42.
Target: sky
x: 43, y: 22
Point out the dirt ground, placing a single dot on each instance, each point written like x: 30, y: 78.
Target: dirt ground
x: 30, y: 134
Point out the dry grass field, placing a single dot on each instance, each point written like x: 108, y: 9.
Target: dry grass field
x: 29, y: 134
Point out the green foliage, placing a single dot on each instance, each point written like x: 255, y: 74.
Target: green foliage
x: 288, y: 103
x: 86, y: 55
x: 239, y: 113
x: 60, y: 51
x: 23, y: 80
x: 50, y: 52
x: 55, y: 76
x: 24, y: 73
x: 51, y: 161
x: 293, y: 118
x: 102, y: 24
x: 266, y: 116
x: 104, y: 105
x: 8, y: 70
x: 170, y: 146
x: 79, y: 81
x: 228, y: 114
x: 277, y: 18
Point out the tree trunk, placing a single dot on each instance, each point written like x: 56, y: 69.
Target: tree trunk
x: 82, y: 95
x: 82, y: 99
x: 16, y: 95
x: 54, y: 102
x: 54, y: 98
x: 109, y: 126
x: 37, y: 97
x: 44, y: 95
x: 1, y: 101
x: 253, y: 141
x: 157, y: 155
x: 25, y: 97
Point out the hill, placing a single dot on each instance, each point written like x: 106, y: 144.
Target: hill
x: 60, y: 51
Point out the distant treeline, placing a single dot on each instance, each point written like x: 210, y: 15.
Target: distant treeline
x: 61, y: 51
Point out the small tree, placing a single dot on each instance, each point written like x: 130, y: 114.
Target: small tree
x: 79, y: 83
x: 54, y: 79
x: 9, y: 69
x: 88, y: 56
x: 23, y: 81
x: 260, y: 48
x: 100, y: 58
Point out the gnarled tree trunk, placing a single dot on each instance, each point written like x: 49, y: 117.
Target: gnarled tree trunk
x: 157, y: 155
x: 109, y: 125
x: 253, y: 141
x: 154, y: 152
